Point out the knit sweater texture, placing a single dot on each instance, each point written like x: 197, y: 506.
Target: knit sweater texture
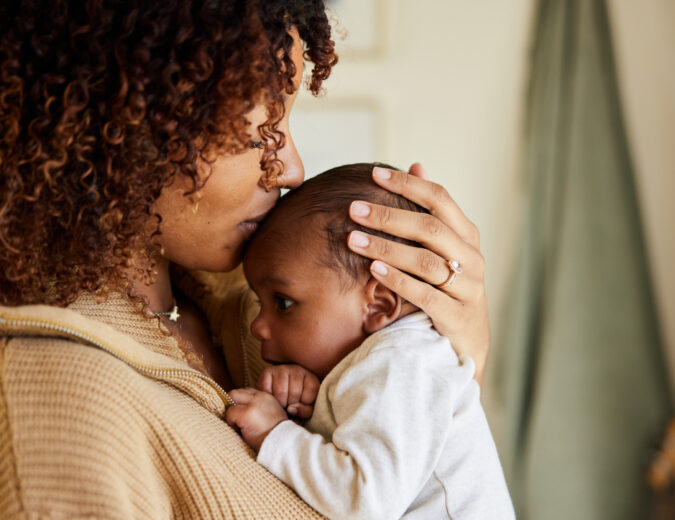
x: 102, y: 417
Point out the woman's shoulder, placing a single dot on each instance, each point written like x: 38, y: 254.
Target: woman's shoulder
x: 64, y: 382
x: 65, y: 407
x: 75, y: 417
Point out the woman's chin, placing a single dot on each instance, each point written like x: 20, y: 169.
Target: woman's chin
x: 222, y: 256
x: 224, y: 263
x: 223, y: 260
x: 228, y: 259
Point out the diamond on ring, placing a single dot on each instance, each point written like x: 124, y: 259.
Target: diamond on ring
x: 455, y: 268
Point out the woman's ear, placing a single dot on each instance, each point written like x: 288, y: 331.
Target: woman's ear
x: 383, y: 306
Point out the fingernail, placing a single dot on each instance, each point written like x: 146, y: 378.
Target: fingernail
x: 379, y: 268
x: 292, y: 410
x: 359, y: 209
x: 358, y: 239
x: 381, y: 173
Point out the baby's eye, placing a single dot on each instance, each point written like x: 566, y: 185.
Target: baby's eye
x: 283, y: 304
x: 256, y: 144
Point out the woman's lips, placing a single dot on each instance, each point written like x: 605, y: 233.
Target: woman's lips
x: 249, y: 227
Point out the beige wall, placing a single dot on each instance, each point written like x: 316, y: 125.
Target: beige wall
x: 446, y: 87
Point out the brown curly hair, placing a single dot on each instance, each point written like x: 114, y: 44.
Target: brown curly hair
x: 104, y: 102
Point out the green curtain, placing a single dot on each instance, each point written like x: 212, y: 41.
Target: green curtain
x: 577, y: 373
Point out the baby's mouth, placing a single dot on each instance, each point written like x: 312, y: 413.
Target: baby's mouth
x: 267, y: 357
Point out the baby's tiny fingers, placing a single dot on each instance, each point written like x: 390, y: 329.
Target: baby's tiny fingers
x: 265, y: 380
x: 304, y: 411
x: 280, y: 388
x: 310, y: 389
x: 295, y: 386
x: 242, y: 395
x: 234, y: 414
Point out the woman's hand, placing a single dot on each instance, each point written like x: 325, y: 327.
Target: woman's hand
x: 458, y: 309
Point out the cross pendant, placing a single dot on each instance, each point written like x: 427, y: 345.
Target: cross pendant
x: 173, y: 315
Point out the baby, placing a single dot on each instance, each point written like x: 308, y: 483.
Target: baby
x: 397, y: 428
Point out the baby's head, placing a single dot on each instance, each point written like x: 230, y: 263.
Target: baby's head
x: 318, y: 299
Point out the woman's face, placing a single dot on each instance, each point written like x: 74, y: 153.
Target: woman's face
x: 208, y: 229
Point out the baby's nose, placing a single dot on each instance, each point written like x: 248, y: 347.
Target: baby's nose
x: 259, y: 328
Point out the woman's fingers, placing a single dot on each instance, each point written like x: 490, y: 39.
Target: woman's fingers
x: 420, y: 294
x: 423, y: 263
x: 431, y: 196
x: 450, y: 316
x: 457, y: 305
x: 418, y: 171
x: 426, y: 229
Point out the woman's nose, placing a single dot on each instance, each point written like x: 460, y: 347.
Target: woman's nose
x: 294, y: 170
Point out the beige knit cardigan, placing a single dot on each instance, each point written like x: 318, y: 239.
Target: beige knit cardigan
x: 101, y: 416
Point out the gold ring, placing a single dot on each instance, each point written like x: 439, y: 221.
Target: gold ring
x: 455, y: 269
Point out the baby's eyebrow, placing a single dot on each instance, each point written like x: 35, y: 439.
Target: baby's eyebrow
x: 275, y: 280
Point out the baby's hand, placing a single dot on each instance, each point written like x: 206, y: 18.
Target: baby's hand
x: 255, y: 414
x: 293, y: 386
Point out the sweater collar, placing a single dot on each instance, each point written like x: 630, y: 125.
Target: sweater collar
x: 116, y: 327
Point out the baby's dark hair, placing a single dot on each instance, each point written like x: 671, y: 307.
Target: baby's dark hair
x: 329, y: 196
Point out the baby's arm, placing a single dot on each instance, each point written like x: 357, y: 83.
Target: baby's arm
x: 393, y: 417
x: 257, y: 412
x: 294, y: 387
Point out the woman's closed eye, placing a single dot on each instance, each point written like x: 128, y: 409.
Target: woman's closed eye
x: 256, y: 144
x: 282, y: 303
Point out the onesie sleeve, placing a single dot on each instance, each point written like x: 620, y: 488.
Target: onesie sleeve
x: 393, y: 412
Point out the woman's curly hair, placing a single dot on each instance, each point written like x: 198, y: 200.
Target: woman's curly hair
x: 104, y: 102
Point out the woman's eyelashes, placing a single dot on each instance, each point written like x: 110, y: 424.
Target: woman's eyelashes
x: 282, y: 303
x: 256, y: 144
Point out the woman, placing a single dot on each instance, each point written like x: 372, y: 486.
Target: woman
x: 137, y: 137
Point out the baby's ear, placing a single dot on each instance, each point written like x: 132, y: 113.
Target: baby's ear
x: 383, y: 306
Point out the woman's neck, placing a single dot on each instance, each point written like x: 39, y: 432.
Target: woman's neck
x: 158, y: 294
